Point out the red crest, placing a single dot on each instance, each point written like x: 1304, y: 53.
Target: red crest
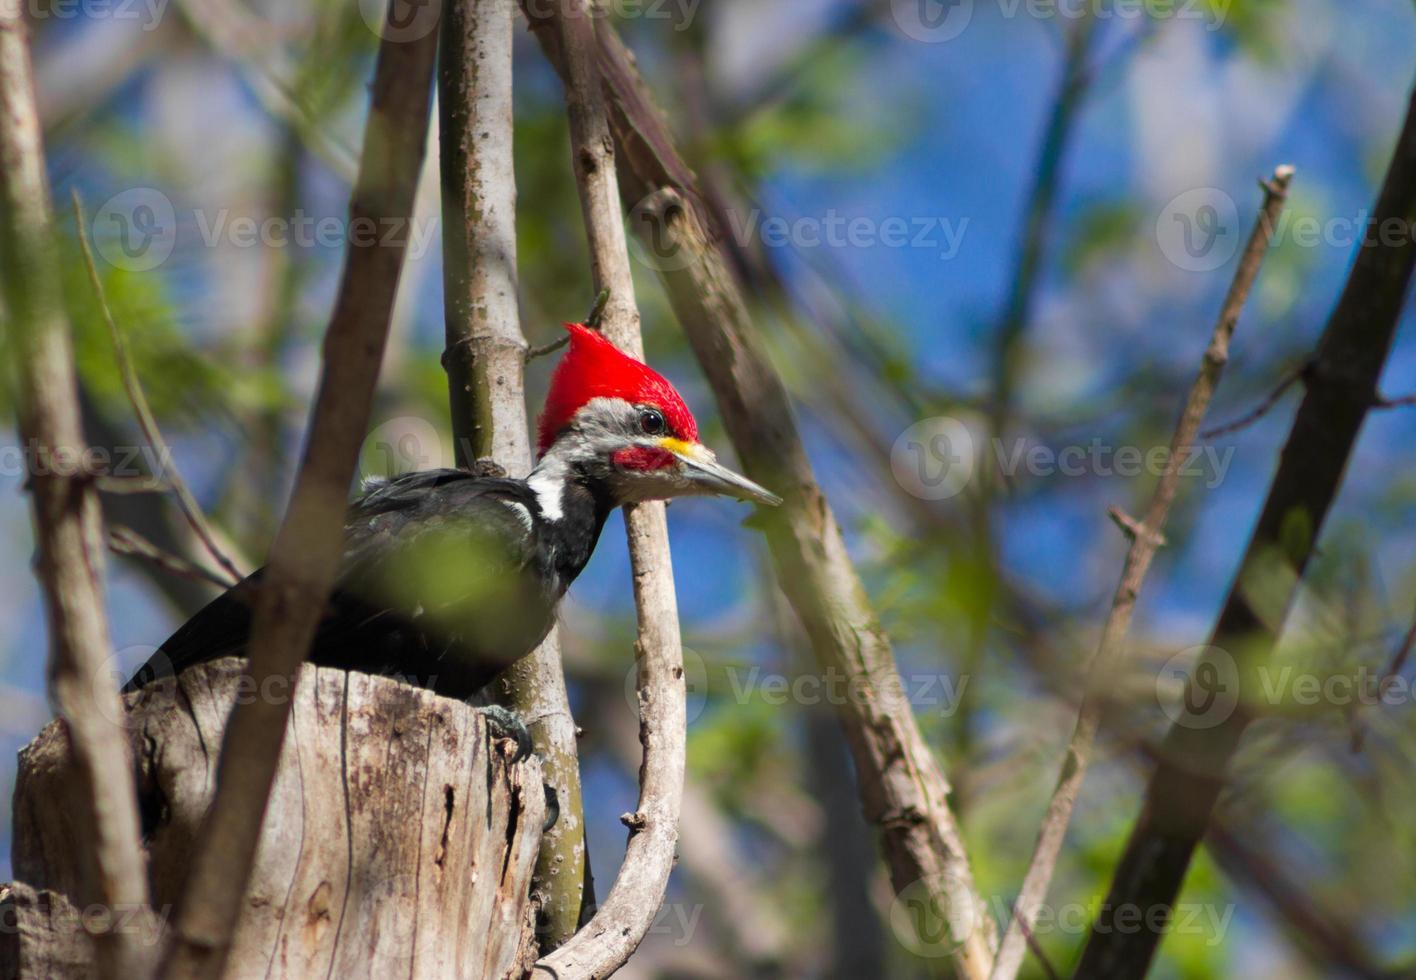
x: 595, y: 368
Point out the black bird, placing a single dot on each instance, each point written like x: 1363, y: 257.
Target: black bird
x: 450, y: 576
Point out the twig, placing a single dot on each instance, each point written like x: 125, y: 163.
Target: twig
x: 593, y: 321
x: 487, y: 395
x: 67, y: 521
x: 127, y: 485
x: 1406, y: 401
x: 1145, y: 541
x: 1194, y: 759
x: 903, y: 790
x: 754, y: 932
x: 191, y: 510
x: 621, y: 923
x: 308, y: 546
x: 1398, y: 660
x: 1263, y: 408
x: 125, y: 541
x: 1133, y: 528
x: 596, y: 318
x: 543, y: 350
x: 1036, y: 948
x: 1389, y: 676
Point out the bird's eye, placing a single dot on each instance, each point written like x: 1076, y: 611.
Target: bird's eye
x: 651, y: 421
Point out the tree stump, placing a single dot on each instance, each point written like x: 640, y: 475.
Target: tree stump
x: 399, y: 840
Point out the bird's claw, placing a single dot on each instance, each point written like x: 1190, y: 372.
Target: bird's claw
x: 503, y: 723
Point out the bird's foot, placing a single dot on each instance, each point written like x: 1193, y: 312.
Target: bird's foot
x: 503, y: 723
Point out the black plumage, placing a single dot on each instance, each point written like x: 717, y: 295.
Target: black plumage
x: 447, y: 578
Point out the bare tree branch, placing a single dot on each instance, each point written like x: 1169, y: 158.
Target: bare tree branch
x: 485, y: 361
x: 1145, y: 541
x: 621, y: 923
x: 1389, y: 677
x: 171, y: 476
x: 1263, y: 408
x: 155, y: 521
x: 126, y: 541
x: 307, y: 549
x: 902, y: 787
x: 67, y: 520
x: 1194, y: 757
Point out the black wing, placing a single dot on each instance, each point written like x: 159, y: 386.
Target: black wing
x: 439, y: 584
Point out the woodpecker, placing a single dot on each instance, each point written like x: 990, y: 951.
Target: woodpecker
x: 449, y: 576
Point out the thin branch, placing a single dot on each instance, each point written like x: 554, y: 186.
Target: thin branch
x: 308, y: 546
x: 172, y: 476
x: 904, y: 792
x: 1405, y: 401
x: 67, y: 520
x: 126, y: 541
x: 1036, y: 948
x: 1263, y: 408
x: 621, y: 923
x: 1398, y: 660
x: 1194, y: 757
x: 532, y: 353
x: 123, y: 486
x: 155, y: 519
x: 1146, y: 538
x: 754, y: 931
x: 1389, y: 678
x: 594, y: 321
x: 485, y: 360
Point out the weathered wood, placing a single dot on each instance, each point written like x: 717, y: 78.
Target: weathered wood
x: 398, y: 841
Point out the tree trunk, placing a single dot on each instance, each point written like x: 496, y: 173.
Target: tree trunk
x: 398, y: 839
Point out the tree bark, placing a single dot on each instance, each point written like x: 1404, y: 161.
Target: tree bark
x: 485, y: 361
x: 305, y: 557
x: 622, y: 921
x: 67, y: 520
x: 398, y: 839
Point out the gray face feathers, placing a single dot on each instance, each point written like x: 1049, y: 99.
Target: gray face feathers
x: 628, y: 449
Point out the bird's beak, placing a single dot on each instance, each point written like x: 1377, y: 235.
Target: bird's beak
x: 703, y: 469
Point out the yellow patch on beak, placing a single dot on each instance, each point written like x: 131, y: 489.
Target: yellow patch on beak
x: 680, y: 447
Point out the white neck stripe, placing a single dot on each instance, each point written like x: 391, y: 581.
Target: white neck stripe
x: 547, y: 482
